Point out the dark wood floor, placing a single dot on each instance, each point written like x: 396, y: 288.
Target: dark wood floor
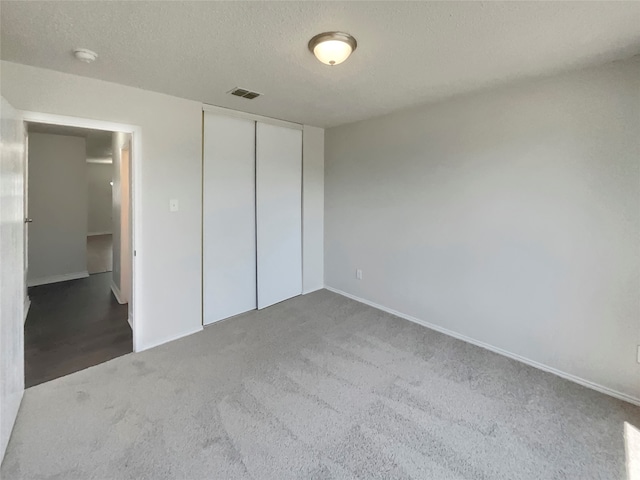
x: 71, y: 326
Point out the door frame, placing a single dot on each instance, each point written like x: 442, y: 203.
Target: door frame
x: 135, y: 197
x: 126, y: 257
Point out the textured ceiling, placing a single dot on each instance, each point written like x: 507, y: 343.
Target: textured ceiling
x: 98, y: 141
x: 408, y: 52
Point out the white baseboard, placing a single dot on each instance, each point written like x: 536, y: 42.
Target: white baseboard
x: 116, y: 293
x: 27, y: 305
x: 169, y: 339
x: 57, y: 278
x: 312, y: 290
x: 532, y: 363
x: 93, y: 234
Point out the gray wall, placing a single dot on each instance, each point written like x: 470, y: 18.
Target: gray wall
x: 99, y: 176
x: 509, y: 216
x: 58, y: 205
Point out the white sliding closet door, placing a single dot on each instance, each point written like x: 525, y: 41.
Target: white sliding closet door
x: 279, y: 213
x: 229, y: 263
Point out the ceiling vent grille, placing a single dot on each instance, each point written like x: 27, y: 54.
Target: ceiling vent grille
x: 241, y: 92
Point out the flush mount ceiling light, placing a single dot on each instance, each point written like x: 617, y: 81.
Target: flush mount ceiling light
x: 84, y: 55
x: 332, y: 48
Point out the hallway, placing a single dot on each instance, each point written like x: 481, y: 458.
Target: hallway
x: 99, y: 253
x: 71, y: 326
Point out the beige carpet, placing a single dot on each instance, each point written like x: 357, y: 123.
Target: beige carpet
x: 317, y: 387
x: 99, y: 253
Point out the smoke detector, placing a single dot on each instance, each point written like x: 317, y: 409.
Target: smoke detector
x: 85, y: 55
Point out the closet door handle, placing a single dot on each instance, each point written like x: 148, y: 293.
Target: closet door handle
x: 28, y: 220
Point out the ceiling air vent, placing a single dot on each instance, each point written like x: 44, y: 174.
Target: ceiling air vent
x: 241, y: 92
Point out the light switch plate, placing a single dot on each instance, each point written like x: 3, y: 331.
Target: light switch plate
x: 173, y: 205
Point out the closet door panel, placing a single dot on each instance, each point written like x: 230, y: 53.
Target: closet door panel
x: 278, y: 213
x: 229, y: 234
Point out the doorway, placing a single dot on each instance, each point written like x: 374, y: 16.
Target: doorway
x: 78, y: 252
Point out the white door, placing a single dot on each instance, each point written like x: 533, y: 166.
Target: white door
x: 278, y: 213
x: 12, y: 293
x: 229, y: 264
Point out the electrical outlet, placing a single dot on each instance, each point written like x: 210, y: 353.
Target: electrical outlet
x: 359, y: 274
x: 638, y: 359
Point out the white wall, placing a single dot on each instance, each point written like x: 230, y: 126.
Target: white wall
x: 58, y: 206
x: 510, y: 216
x: 99, y: 176
x: 169, y: 247
x: 312, y: 209
x: 12, y: 291
x: 169, y: 250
